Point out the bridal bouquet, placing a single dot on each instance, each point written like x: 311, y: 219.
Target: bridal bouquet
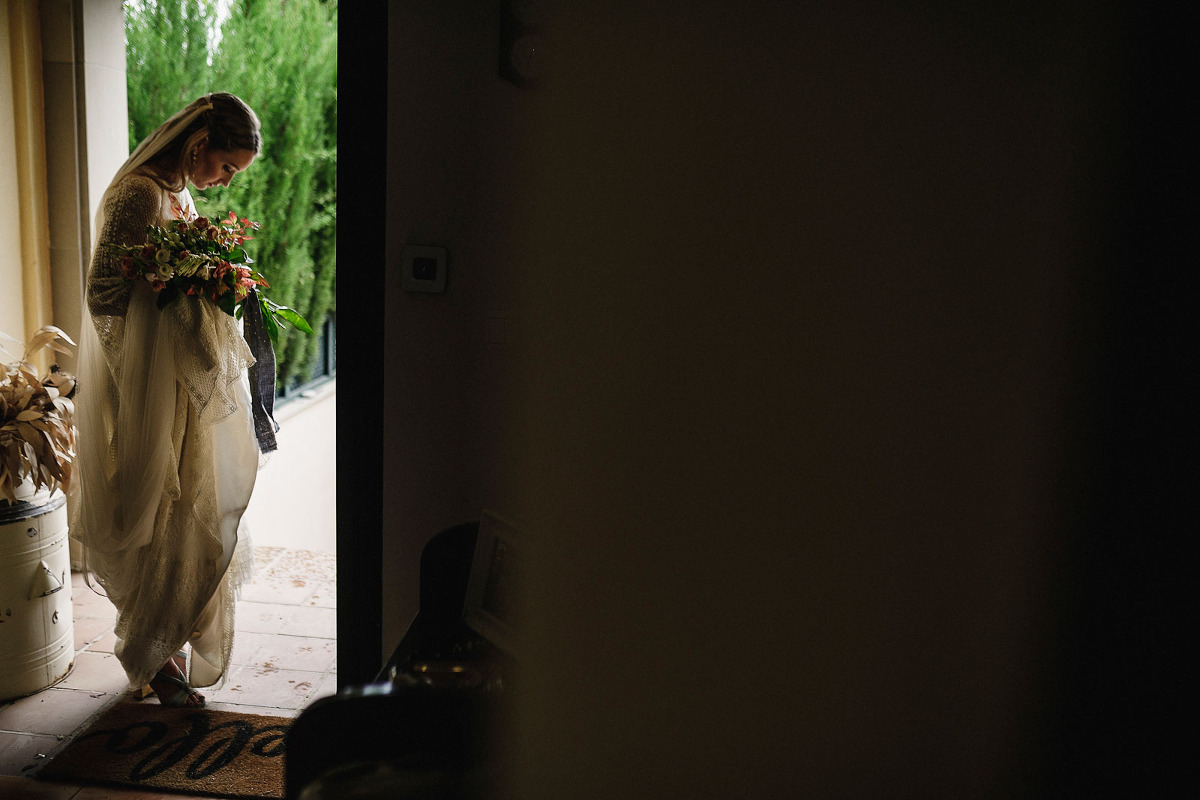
x: 200, y: 258
x: 37, y: 429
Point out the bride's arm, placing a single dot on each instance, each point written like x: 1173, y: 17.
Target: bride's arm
x: 129, y: 207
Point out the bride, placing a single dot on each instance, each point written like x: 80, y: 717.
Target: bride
x: 167, y: 452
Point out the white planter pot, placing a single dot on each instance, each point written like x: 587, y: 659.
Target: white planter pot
x: 37, y: 646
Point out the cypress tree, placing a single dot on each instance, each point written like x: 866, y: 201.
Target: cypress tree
x: 281, y: 58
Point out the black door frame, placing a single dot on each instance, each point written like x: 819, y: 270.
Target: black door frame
x: 362, y: 120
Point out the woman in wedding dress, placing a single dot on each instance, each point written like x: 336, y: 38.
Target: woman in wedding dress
x: 167, y: 454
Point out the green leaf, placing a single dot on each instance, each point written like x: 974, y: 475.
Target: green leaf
x: 226, y: 303
x: 271, y: 325
x: 294, y: 318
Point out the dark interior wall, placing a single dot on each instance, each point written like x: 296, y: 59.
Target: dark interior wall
x: 452, y: 149
x: 782, y: 331
x: 810, y: 300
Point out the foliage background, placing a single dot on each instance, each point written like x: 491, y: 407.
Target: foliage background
x: 280, y: 56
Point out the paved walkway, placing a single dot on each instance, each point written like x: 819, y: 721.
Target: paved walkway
x: 295, y: 496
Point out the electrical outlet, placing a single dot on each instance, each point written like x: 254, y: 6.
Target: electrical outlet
x: 423, y: 269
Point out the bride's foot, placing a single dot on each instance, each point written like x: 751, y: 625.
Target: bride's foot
x: 170, y: 684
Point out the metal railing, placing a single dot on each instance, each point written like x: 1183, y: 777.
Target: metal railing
x: 323, y: 369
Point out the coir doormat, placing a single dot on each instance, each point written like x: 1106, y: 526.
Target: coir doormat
x: 144, y: 745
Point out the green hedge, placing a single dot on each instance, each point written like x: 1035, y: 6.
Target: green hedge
x: 280, y: 56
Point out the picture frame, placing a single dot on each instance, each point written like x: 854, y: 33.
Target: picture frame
x: 495, y: 601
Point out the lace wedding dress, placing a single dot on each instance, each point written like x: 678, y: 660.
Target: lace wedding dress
x: 167, y: 455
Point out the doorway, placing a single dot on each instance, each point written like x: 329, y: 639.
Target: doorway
x: 281, y: 60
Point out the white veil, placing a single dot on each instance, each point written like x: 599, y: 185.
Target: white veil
x: 129, y: 453
x: 160, y: 137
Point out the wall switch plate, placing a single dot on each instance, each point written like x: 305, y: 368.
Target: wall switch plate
x: 423, y: 269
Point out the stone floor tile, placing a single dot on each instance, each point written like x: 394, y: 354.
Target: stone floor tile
x: 324, y: 596
x: 309, y: 621
x: 262, y: 617
x: 325, y: 687
x: 277, y: 688
x: 307, y: 653
x: 278, y: 589
x: 96, y: 672
x: 14, y: 788
x: 309, y: 564
x: 53, y: 711
x: 89, y: 629
x: 20, y: 752
x: 104, y: 644
x: 264, y: 557
x: 86, y: 603
x: 246, y: 648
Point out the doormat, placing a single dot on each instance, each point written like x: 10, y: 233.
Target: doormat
x: 188, y: 750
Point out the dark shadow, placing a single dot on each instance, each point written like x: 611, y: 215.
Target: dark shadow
x: 362, y: 103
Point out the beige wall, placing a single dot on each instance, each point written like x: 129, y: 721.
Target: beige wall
x: 83, y: 52
x: 801, y: 303
x: 12, y: 315
x: 83, y: 72
x: 102, y: 60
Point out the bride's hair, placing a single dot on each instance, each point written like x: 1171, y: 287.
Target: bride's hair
x: 229, y: 125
